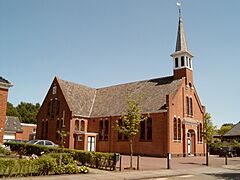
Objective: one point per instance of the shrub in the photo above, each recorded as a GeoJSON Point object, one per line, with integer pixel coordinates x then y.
{"type": "Point", "coordinates": [66, 157]}
{"type": "Point", "coordinates": [91, 159]}
{"type": "Point", "coordinates": [4, 151]}
{"type": "Point", "coordinates": [24, 167]}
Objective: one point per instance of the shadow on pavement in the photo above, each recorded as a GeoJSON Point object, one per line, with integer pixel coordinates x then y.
{"type": "Point", "coordinates": [227, 176]}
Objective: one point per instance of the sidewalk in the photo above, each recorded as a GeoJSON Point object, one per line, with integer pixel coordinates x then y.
{"type": "Point", "coordinates": [155, 169]}
{"type": "Point", "coordinates": [229, 172]}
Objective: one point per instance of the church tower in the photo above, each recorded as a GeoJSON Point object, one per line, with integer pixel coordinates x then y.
{"type": "Point", "coordinates": [182, 58]}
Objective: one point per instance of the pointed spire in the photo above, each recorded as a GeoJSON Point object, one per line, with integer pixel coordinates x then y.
{"type": "Point", "coordinates": [181, 44]}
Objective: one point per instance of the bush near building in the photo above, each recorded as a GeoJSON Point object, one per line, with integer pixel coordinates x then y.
{"type": "Point", "coordinates": [91, 159]}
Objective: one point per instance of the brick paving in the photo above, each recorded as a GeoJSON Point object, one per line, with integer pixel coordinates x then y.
{"type": "Point", "coordinates": [152, 163]}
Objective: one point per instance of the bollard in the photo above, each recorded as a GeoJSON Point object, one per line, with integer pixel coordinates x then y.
{"type": "Point", "coordinates": [120, 167]}
{"type": "Point", "coordinates": [226, 159]}
{"type": "Point", "coordinates": [207, 154]}
{"type": "Point", "coordinates": [168, 160]}
{"type": "Point", "coordinates": [138, 162]}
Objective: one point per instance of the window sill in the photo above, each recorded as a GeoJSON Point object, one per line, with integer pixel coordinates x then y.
{"type": "Point", "coordinates": [177, 141]}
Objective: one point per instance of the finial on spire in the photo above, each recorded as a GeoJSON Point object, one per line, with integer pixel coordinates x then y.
{"type": "Point", "coordinates": [179, 8]}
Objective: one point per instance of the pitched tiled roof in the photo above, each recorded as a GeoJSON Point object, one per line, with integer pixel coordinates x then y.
{"type": "Point", "coordinates": [79, 97]}
{"type": "Point", "coordinates": [86, 101]}
{"type": "Point", "coordinates": [2, 80]}
{"type": "Point", "coordinates": [12, 124]}
{"type": "Point", "coordinates": [235, 131]}
{"type": "Point", "coordinates": [112, 100]}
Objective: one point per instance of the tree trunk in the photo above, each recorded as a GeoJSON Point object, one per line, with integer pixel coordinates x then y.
{"type": "Point", "coordinates": [131, 152]}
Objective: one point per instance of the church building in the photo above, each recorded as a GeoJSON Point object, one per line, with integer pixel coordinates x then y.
{"type": "Point", "coordinates": [174, 125]}
{"type": "Point", "coordinates": [4, 86]}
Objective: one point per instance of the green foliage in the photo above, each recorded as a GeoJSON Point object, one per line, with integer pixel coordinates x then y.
{"type": "Point", "coordinates": [225, 128]}
{"type": "Point", "coordinates": [4, 151]}
{"type": "Point", "coordinates": [91, 159]}
{"type": "Point", "coordinates": [26, 112]}
{"type": "Point", "coordinates": [131, 121]}
{"type": "Point", "coordinates": [209, 129]}
{"type": "Point", "coordinates": [11, 110]}
{"type": "Point", "coordinates": [24, 167]}
{"type": "Point", "coordinates": [66, 157]}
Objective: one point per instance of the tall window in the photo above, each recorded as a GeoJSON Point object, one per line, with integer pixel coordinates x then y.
{"type": "Point", "coordinates": [187, 105]}
{"type": "Point", "coordinates": [106, 130]}
{"type": "Point", "coordinates": [77, 125]}
{"type": "Point", "coordinates": [179, 129]}
{"type": "Point", "coordinates": [187, 61]}
{"type": "Point", "coordinates": [198, 132]}
{"type": "Point", "coordinates": [46, 129]}
{"type": "Point", "coordinates": [146, 130]}
{"type": "Point", "coordinates": [176, 62]}
{"type": "Point", "coordinates": [57, 129]}
{"type": "Point", "coordinates": [100, 130]}
{"type": "Point", "coordinates": [103, 129]}
{"type": "Point", "coordinates": [175, 129]}
{"type": "Point", "coordinates": [191, 107]}
{"type": "Point", "coordinates": [43, 133]}
{"type": "Point", "coordinates": [201, 132]}
{"type": "Point", "coordinates": [82, 125]}
{"type": "Point", "coordinates": [142, 130]}
{"type": "Point", "coordinates": [190, 63]}
{"type": "Point", "coordinates": [149, 129]}
{"type": "Point", "coordinates": [182, 60]}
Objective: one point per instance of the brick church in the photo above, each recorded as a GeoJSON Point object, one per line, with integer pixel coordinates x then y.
{"type": "Point", "coordinates": [4, 86]}
{"type": "Point", "coordinates": [176, 114]}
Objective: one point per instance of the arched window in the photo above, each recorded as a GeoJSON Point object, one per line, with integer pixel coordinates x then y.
{"type": "Point", "coordinates": [201, 131]}
{"type": "Point", "coordinates": [191, 107]}
{"type": "Point", "coordinates": [179, 129]}
{"type": "Point", "coordinates": [82, 125]}
{"type": "Point", "coordinates": [187, 105]}
{"type": "Point", "coordinates": [76, 125]}
{"type": "Point", "coordinates": [175, 129]}
{"type": "Point", "coordinates": [198, 132]}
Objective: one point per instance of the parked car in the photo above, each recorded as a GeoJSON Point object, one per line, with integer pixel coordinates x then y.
{"type": "Point", "coordinates": [42, 142]}
{"type": "Point", "coordinates": [229, 151]}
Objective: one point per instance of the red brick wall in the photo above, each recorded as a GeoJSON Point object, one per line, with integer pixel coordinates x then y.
{"type": "Point", "coordinates": [3, 106]}
{"type": "Point", "coordinates": [28, 131]}
{"type": "Point", "coordinates": [52, 122]}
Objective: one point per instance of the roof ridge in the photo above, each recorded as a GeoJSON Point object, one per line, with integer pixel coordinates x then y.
{"type": "Point", "coordinates": [78, 84]}
{"type": "Point", "coordinates": [140, 81]}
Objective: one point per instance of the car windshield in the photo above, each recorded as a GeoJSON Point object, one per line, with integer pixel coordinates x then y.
{"type": "Point", "coordinates": [32, 141]}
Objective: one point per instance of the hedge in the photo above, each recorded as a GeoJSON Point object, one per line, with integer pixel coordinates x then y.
{"type": "Point", "coordinates": [91, 159]}
{"type": "Point", "coordinates": [24, 167]}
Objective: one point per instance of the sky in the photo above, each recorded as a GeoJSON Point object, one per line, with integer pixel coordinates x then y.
{"type": "Point", "coordinates": [100, 43]}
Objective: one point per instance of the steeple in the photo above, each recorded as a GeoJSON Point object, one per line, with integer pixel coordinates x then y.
{"type": "Point", "coordinates": [181, 44]}
{"type": "Point", "coordinates": [182, 57]}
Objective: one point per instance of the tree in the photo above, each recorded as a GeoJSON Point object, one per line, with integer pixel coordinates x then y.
{"type": "Point", "coordinates": [130, 122]}
{"type": "Point", "coordinates": [26, 112]}
{"type": "Point", "coordinates": [11, 110]}
{"type": "Point", "coordinates": [225, 128]}
{"type": "Point", "coordinates": [208, 131]}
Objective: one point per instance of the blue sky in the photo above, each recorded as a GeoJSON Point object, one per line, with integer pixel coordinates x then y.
{"type": "Point", "coordinates": [105, 42]}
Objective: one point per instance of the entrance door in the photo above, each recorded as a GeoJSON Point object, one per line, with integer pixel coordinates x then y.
{"type": "Point", "coordinates": [189, 148]}
{"type": "Point", "coordinates": [91, 143]}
